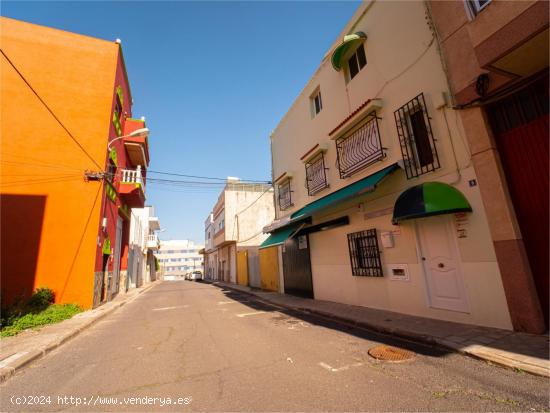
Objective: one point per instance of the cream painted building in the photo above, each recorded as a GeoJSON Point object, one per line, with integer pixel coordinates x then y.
{"type": "Point", "coordinates": [377, 202]}
{"type": "Point", "coordinates": [234, 230]}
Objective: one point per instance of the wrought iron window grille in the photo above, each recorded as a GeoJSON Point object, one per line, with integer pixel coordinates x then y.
{"type": "Point", "coordinates": [284, 195]}
{"type": "Point", "coordinates": [364, 254]}
{"type": "Point", "coordinates": [360, 148]}
{"type": "Point", "coordinates": [416, 138]}
{"type": "Point", "coordinates": [316, 177]}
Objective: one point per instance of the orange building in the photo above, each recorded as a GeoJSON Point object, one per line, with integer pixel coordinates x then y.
{"type": "Point", "coordinates": [69, 173]}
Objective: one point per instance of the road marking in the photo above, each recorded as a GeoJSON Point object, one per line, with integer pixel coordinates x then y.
{"type": "Point", "coordinates": [247, 314]}
{"type": "Point", "coordinates": [12, 358]}
{"type": "Point", "coordinates": [336, 370]}
{"type": "Point", "coordinates": [170, 308]}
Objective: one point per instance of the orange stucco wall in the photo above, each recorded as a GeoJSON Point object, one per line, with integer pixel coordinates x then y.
{"type": "Point", "coordinates": [50, 216]}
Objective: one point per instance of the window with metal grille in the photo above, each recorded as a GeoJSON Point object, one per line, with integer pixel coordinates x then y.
{"type": "Point", "coordinates": [416, 138]}
{"type": "Point", "coordinates": [364, 254]}
{"type": "Point", "coordinates": [316, 177]}
{"type": "Point", "coordinates": [360, 148]}
{"type": "Point", "coordinates": [284, 195]}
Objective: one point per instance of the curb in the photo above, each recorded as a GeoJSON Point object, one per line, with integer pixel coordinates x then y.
{"type": "Point", "coordinates": [27, 357]}
{"type": "Point", "coordinates": [476, 351]}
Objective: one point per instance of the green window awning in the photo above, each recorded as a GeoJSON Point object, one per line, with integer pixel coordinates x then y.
{"type": "Point", "coordinates": [358, 188]}
{"type": "Point", "coordinates": [279, 237]}
{"type": "Point", "coordinates": [427, 199]}
{"type": "Point", "coordinates": [350, 41]}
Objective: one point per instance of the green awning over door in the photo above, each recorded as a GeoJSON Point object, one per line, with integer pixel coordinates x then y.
{"type": "Point", "coordinates": [350, 41]}
{"type": "Point", "coordinates": [358, 188]}
{"type": "Point", "coordinates": [278, 237]}
{"type": "Point", "coordinates": [427, 199]}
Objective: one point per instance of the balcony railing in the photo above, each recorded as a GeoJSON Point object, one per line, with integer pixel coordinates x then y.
{"type": "Point", "coordinates": [132, 176]}
{"type": "Point", "coordinates": [360, 148]}
{"type": "Point", "coordinates": [152, 241]}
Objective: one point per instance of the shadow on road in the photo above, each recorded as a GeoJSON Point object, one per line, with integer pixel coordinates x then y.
{"type": "Point", "coordinates": [257, 304]}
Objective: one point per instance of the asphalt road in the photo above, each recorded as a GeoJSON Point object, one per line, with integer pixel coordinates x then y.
{"type": "Point", "coordinates": [208, 349]}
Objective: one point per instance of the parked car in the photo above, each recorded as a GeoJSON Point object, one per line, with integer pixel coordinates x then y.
{"type": "Point", "coordinates": [195, 275]}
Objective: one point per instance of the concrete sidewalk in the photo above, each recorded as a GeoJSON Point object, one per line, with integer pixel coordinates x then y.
{"type": "Point", "coordinates": [18, 351]}
{"type": "Point", "coordinates": [526, 352]}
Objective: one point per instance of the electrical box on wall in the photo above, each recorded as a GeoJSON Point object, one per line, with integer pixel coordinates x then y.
{"type": "Point", "coordinates": [398, 272]}
{"type": "Point", "coordinates": [387, 239]}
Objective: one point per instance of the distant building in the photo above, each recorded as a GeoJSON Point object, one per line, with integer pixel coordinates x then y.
{"type": "Point", "coordinates": [73, 164]}
{"type": "Point", "coordinates": [179, 257]}
{"type": "Point", "coordinates": [233, 232]}
{"type": "Point", "coordinates": [144, 242]}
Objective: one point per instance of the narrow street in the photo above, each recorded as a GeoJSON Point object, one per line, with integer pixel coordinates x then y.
{"type": "Point", "coordinates": [225, 351]}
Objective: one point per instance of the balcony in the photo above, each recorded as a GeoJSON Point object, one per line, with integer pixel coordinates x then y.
{"type": "Point", "coordinates": [137, 147]}
{"type": "Point", "coordinates": [154, 223]}
{"type": "Point", "coordinates": [131, 188]}
{"type": "Point", "coordinates": [360, 148]}
{"type": "Point", "coordinates": [152, 242]}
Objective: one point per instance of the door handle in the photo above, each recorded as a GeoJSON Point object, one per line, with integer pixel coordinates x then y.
{"type": "Point", "coordinates": [440, 265]}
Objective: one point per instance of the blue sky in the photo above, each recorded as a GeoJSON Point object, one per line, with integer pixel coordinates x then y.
{"type": "Point", "coordinates": [213, 79]}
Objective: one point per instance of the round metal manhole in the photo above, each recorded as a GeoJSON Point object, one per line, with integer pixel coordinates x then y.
{"type": "Point", "coordinates": [393, 354]}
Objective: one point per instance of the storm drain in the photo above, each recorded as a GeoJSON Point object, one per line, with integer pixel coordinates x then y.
{"type": "Point", "coordinates": [387, 353]}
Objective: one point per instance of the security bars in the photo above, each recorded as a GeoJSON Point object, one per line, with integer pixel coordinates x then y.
{"type": "Point", "coordinates": [284, 195]}
{"type": "Point", "coordinates": [316, 177]}
{"type": "Point", "coordinates": [364, 254]}
{"type": "Point", "coordinates": [416, 138]}
{"type": "Point", "coordinates": [360, 148]}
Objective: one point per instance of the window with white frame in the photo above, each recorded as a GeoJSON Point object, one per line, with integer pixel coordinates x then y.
{"type": "Point", "coordinates": [476, 6]}
{"type": "Point", "coordinates": [356, 62]}
{"type": "Point", "coordinates": [316, 103]}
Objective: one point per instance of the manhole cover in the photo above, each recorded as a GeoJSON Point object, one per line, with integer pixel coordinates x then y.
{"type": "Point", "coordinates": [387, 353]}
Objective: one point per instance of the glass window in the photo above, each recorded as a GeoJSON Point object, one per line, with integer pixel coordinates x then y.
{"type": "Point", "coordinates": [357, 61]}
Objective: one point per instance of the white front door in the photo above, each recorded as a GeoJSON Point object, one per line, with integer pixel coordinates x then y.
{"type": "Point", "coordinates": [440, 259]}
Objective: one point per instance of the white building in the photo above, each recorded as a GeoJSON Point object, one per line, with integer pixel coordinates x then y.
{"type": "Point", "coordinates": [142, 267]}
{"type": "Point", "coordinates": [234, 231]}
{"type": "Point", "coordinates": [179, 257]}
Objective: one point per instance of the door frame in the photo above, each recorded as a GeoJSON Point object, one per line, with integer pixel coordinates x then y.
{"type": "Point", "coordinates": [424, 269]}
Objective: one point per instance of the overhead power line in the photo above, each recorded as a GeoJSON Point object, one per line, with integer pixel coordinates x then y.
{"type": "Point", "coordinates": [50, 110]}
{"type": "Point", "coordinates": [259, 181]}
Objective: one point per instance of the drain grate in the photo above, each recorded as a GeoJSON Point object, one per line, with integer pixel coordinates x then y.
{"type": "Point", "coordinates": [387, 353]}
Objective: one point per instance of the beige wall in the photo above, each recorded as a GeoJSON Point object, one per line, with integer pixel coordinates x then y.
{"type": "Point", "coordinates": [246, 213]}
{"type": "Point", "coordinates": [331, 267]}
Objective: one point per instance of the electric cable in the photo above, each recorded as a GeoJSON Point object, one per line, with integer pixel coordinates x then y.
{"type": "Point", "coordinates": [204, 177]}
{"type": "Point", "coordinates": [50, 110]}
